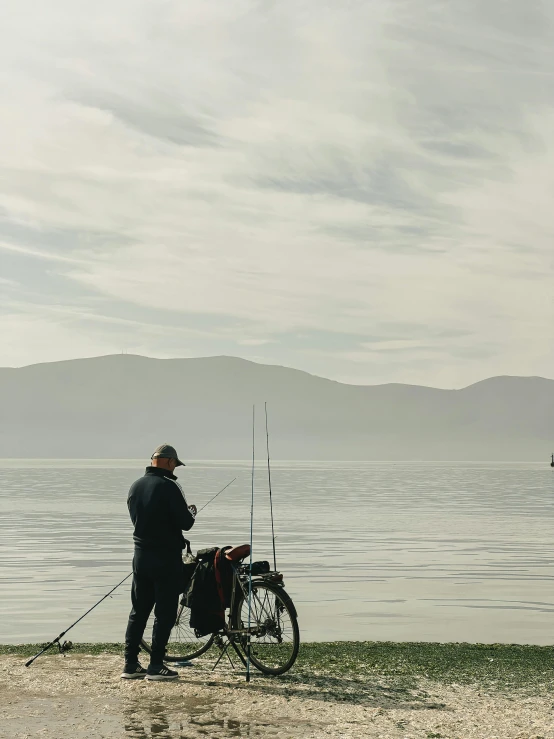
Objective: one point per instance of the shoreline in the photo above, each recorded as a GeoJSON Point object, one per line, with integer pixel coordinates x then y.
{"type": "Point", "coordinates": [488, 664]}
{"type": "Point", "coordinates": [336, 689]}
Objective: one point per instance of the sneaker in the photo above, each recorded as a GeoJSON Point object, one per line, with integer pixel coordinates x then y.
{"type": "Point", "coordinates": [133, 672]}
{"type": "Point", "coordinates": [160, 672]}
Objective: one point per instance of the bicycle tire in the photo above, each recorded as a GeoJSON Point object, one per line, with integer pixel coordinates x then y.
{"type": "Point", "coordinates": [190, 647]}
{"type": "Point", "coordinates": [262, 652]}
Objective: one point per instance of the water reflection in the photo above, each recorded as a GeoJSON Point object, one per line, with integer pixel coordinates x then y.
{"type": "Point", "coordinates": [154, 720]}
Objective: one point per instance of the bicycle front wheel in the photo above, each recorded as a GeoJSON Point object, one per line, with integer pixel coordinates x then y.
{"type": "Point", "coordinates": [183, 643]}
{"type": "Point", "coordinates": [275, 636]}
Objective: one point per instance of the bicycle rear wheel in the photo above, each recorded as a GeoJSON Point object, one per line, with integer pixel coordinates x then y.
{"type": "Point", "coordinates": [183, 643]}
{"type": "Point", "coordinates": [275, 636]}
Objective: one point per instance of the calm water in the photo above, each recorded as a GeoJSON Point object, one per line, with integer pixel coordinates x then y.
{"type": "Point", "coordinates": [392, 551]}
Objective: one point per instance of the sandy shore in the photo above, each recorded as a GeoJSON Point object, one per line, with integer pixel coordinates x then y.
{"type": "Point", "coordinates": [82, 697]}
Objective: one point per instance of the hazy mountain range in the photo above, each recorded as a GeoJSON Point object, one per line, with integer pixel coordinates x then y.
{"type": "Point", "coordinates": [123, 406]}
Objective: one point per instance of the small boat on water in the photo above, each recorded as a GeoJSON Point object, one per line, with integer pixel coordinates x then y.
{"type": "Point", "coordinates": [552, 463]}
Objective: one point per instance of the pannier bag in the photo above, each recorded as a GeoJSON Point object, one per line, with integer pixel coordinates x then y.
{"type": "Point", "coordinates": [208, 582]}
{"type": "Point", "coordinates": [209, 591]}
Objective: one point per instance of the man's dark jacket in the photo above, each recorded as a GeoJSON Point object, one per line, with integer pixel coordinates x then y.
{"type": "Point", "coordinates": [159, 512]}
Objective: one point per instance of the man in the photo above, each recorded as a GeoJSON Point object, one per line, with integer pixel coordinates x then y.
{"type": "Point", "coordinates": [160, 514]}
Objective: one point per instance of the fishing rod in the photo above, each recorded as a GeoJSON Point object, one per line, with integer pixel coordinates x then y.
{"type": "Point", "coordinates": [249, 643]}
{"type": "Point", "coordinates": [270, 493]}
{"type": "Point", "coordinates": [67, 645]}
{"type": "Point", "coordinates": [215, 496]}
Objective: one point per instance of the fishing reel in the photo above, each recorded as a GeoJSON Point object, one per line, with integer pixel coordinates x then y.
{"type": "Point", "coordinates": [65, 647]}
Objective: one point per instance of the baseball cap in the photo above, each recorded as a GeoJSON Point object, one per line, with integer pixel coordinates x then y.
{"type": "Point", "coordinates": [168, 452]}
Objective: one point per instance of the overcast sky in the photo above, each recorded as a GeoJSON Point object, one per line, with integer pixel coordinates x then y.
{"type": "Point", "coordinates": [362, 189]}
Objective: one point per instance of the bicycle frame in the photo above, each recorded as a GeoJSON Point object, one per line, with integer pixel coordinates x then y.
{"type": "Point", "coordinates": [240, 589]}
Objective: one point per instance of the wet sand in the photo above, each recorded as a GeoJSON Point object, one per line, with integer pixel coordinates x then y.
{"type": "Point", "coordinates": [81, 696]}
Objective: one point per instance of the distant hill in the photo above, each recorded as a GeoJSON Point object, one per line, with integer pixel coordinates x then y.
{"type": "Point", "coordinates": [124, 405]}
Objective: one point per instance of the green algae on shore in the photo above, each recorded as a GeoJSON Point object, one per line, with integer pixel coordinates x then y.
{"type": "Point", "coordinates": [500, 666]}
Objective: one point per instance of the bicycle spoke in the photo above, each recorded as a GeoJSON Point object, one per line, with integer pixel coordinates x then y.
{"type": "Point", "coordinates": [183, 642]}
{"type": "Point", "coordinates": [274, 638]}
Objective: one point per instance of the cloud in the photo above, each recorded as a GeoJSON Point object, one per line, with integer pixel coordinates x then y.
{"type": "Point", "coordinates": [160, 117]}
{"type": "Point", "coordinates": [254, 342]}
{"type": "Point", "coordinates": [257, 172]}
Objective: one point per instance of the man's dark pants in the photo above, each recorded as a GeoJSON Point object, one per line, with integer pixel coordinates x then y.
{"type": "Point", "coordinates": [156, 584]}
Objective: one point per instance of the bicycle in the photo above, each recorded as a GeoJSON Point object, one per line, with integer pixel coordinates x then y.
{"type": "Point", "coordinates": [274, 632]}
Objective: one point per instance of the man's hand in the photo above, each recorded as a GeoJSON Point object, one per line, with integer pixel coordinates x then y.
{"type": "Point", "coordinates": [193, 510]}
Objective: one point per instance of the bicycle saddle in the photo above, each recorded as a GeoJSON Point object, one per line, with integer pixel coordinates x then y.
{"type": "Point", "coordinates": [235, 554]}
